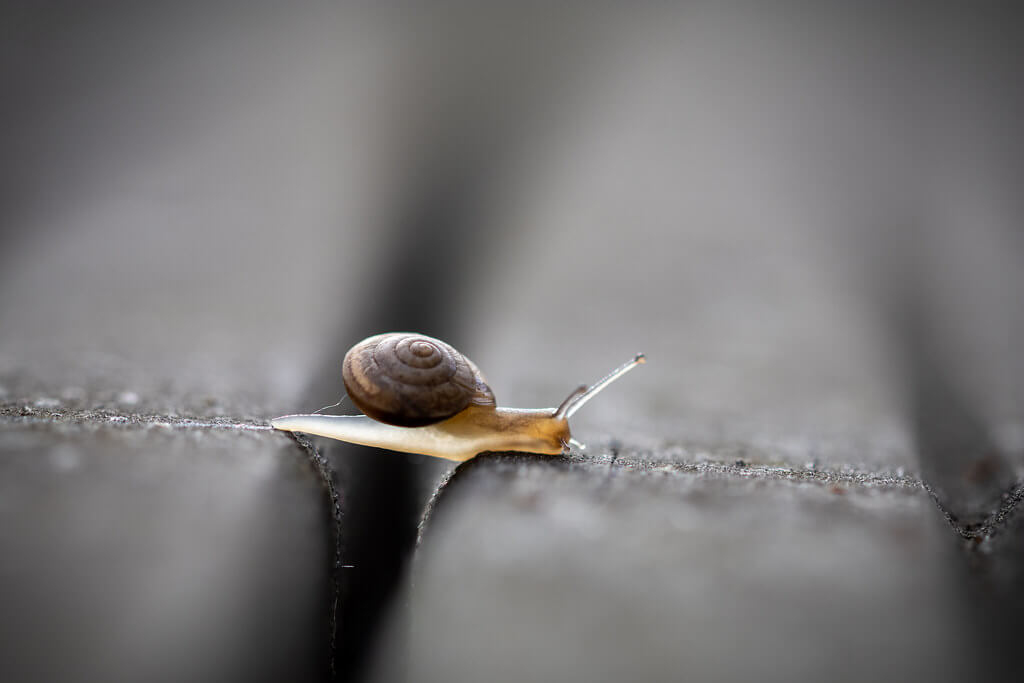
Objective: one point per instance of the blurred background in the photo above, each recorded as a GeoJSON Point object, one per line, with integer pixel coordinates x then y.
{"type": "Point", "coordinates": [806, 214]}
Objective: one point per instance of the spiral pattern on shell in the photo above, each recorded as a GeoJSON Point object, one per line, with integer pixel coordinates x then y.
{"type": "Point", "coordinates": [411, 380]}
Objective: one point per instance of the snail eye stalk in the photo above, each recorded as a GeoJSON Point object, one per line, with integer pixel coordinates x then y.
{"type": "Point", "coordinates": [582, 394]}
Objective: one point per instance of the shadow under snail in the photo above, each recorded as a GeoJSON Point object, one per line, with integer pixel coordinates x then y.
{"type": "Point", "coordinates": [420, 395]}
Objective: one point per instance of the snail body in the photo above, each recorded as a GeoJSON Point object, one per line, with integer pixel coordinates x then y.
{"type": "Point", "coordinates": [420, 395]}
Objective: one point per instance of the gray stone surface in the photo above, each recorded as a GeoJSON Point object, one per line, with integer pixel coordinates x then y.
{"type": "Point", "coordinates": [166, 285]}
{"type": "Point", "coordinates": [157, 552]}
{"type": "Point", "coordinates": [574, 569]}
{"type": "Point", "coordinates": [813, 241]}
{"type": "Point", "coordinates": [826, 323]}
{"type": "Point", "coordinates": [170, 248]}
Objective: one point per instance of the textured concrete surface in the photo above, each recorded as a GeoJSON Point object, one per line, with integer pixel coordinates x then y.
{"type": "Point", "coordinates": [141, 263]}
{"type": "Point", "coordinates": [832, 400]}
{"type": "Point", "coordinates": [580, 569]}
{"type": "Point", "coordinates": [167, 286]}
{"type": "Point", "coordinates": [159, 552]}
{"type": "Point", "coordinates": [815, 477]}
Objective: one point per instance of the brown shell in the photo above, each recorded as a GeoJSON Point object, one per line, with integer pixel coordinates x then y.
{"type": "Point", "coordinates": [411, 380]}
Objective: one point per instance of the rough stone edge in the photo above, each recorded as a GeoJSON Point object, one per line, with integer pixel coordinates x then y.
{"type": "Point", "coordinates": [1009, 501]}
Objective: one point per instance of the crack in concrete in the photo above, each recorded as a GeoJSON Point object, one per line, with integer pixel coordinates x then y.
{"type": "Point", "coordinates": [1011, 500]}
{"type": "Point", "coordinates": [326, 474]}
{"type": "Point", "coordinates": [435, 498]}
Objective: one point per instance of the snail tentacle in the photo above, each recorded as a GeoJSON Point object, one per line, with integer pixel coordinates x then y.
{"type": "Point", "coordinates": [576, 399]}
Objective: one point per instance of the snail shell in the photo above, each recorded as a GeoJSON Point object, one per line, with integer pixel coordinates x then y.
{"type": "Point", "coordinates": [412, 380]}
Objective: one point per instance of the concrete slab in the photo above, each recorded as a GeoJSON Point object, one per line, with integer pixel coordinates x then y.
{"type": "Point", "coordinates": [157, 552]}
{"type": "Point", "coordinates": [574, 570]}
{"type": "Point", "coordinates": [714, 187]}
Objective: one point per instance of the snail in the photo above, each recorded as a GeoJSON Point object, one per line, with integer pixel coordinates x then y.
{"type": "Point", "coordinates": [420, 395]}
